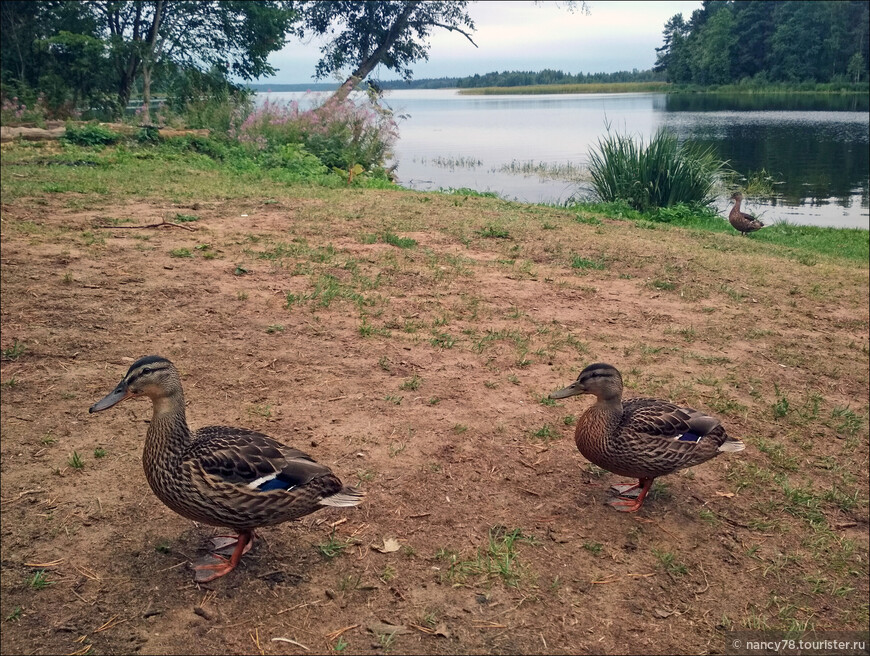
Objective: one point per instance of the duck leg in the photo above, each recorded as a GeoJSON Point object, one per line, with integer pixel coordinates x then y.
{"type": "Point", "coordinates": [631, 505]}
{"type": "Point", "coordinates": [225, 545]}
{"type": "Point", "coordinates": [215, 566]}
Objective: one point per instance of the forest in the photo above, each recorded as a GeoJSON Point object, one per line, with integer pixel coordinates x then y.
{"type": "Point", "coordinates": [763, 42]}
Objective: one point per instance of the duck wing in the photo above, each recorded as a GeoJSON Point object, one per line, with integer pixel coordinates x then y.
{"type": "Point", "coordinates": [673, 437]}
{"type": "Point", "coordinates": [221, 455]}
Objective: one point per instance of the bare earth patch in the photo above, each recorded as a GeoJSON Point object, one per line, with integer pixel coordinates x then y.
{"type": "Point", "coordinates": [418, 370]}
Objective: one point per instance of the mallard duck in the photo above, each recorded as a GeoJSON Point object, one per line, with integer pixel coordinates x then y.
{"type": "Point", "coordinates": [743, 222]}
{"type": "Point", "coordinates": [220, 475]}
{"type": "Point", "coordinates": [640, 438]}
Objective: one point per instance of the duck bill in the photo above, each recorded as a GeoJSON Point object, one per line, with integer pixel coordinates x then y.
{"type": "Point", "coordinates": [571, 390]}
{"type": "Point", "coordinates": [117, 395]}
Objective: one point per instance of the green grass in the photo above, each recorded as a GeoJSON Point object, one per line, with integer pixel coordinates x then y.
{"type": "Point", "coordinates": [670, 564]}
{"type": "Point", "coordinates": [13, 352]}
{"type": "Point", "coordinates": [545, 433]}
{"type": "Point", "coordinates": [498, 559]}
{"type": "Point", "coordinates": [399, 242]}
{"type": "Point", "coordinates": [193, 170]}
{"type": "Point", "coordinates": [39, 580]}
{"type": "Point", "coordinates": [333, 546]}
{"type": "Point", "coordinates": [412, 383]}
{"type": "Point", "coordinates": [792, 241]}
{"type": "Point", "coordinates": [579, 262]}
{"type": "Point", "coordinates": [493, 232]}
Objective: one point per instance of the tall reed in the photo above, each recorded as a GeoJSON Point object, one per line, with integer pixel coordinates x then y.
{"type": "Point", "coordinates": [661, 173]}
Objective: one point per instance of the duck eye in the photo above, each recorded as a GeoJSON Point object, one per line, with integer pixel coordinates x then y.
{"type": "Point", "coordinates": [146, 370]}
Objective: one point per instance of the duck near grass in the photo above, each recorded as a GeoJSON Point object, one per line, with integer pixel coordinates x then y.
{"type": "Point", "coordinates": [641, 438]}
{"type": "Point", "coordinates": [741, 221]}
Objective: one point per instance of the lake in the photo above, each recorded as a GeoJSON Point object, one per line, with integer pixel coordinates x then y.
{"type": "Point", "coordinates": [814, 147]}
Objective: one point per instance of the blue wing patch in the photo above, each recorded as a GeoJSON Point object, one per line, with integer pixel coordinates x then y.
{"type": "Point", "coordinates": [275, 484]}
{"type": "Point", "coordinates": [689, 437]}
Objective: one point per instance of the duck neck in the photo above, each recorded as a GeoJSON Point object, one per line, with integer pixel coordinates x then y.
{"type": "Point", "coordinates": [596, 426]}
{"type": "Point", "coordinates": [168, 434]}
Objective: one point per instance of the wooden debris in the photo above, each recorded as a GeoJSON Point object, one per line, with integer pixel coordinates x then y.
{"type": "Point", "coordinates": [292, 642]}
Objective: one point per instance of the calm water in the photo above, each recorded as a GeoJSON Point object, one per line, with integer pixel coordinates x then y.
{"type": "Point", "coordinates": [816, 150]}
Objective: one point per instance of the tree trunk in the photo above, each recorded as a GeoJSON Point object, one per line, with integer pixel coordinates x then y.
{"type": "Point", "coordinates": [146, 93]}
{"type": "Point", "coordinates": [125, 83]}
{"type": "Point", "coordinates": [148, 58]}
{"type": "Point", "coordinates": [369, 63]}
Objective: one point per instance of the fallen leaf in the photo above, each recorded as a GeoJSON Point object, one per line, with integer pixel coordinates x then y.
{"type": "Point", "coordinates": [390, 545]}
{"type": "Point", "coordinates": [441, 630]}
{"type": "Point", "coordinates": [725, 494]}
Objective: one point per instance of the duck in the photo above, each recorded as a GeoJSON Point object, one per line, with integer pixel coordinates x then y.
{"type": "Point", "coordinates": [640, 438]}
{"type": "Point", "coordinates": [220, 475]}
{"type": "Point", "coordinates": [743, 222]}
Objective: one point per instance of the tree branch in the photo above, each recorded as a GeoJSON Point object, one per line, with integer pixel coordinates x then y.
{"type": "Point", "coordinates": [451, 28]}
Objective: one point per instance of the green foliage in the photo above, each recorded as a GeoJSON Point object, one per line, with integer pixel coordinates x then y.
{"type": "Point", "coordinates": [580, 262]}
{"type": "Point", "coordinates": [791, 41]}
{"type": "Point", "coordinates": [493, 232]}
{"type": "Point", "coordinates": [549, 76]}
{"type": "Point", "coordinates": [90, 135]}
{"type": "Point", "coordinates": [801, 240]}
{"type": "Point", "coordinates": [91, 55]}
{"type": "Point", "coordinates": [15, 351]}
{"type": "Point", "coordinates": [39, 580]}
{"type": "Point", "coordinates": [75, 461]}
{"type": "Point", "coordinates": [361, 35]}
{"type": "Point", "coordinates": [399, 242]}
{"type": "Point", "coordinates": [293, 162]}
{"type": "Point", "coordinates": [499, 558]}
{"type": "Point", "coordinates": [344, 135]}
{"type": "Point", "coordinates": [658, 174]}
{"type": "Point", "coordinates": [333, 546]}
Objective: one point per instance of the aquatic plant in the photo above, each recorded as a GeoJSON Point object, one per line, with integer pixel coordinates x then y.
{"type": "Point", "coordinates": [658, 174]}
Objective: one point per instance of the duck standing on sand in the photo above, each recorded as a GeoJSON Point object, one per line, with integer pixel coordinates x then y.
{"type": "Point", "coordinates": [640, 438]}
{"type": "Point", "coordinates": [743, 222]}
{"type": "Point", "coordinates": [220, 475]}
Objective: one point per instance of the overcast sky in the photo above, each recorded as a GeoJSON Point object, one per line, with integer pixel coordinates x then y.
{"type": "Point", "coordinates": [525, 36]}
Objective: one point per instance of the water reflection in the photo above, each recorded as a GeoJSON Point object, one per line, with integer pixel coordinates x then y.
{"type": "Point", "coordinates": [816, 147]}
{"type": "Point", "coordinates": [797, 102]}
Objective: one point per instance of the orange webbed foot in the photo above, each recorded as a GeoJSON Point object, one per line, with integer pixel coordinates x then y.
{"type": "Point", "coordinates": [214, 565]}
{"type": "Point", "coordinates": [624, 503]}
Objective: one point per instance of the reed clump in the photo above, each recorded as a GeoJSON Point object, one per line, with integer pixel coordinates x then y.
{"type": "Point", "coordinates": [660, 173]}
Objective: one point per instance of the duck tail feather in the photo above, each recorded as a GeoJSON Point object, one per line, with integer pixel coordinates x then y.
{"type": "Point", "coordinates": [732, 445]}
{"type": "Point", "coordinates": [347, 496]}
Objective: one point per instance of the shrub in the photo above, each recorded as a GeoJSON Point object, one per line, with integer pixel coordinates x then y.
{"type": "Point", "coordinates": [14, 111]}
{"type": "Point", "coordinates": [659, 174]}
{"type": "Point", "coordinates": [90, 134]}
{"type": "Point", "coordinates": [295, 162]}
{"type": "Point", "coordinates": [340, 134]}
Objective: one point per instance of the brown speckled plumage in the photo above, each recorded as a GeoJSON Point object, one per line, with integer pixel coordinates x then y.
{"type": "Point", "coordinates": [641, 438]}
{"type": "Point", "coordinates": [742, 222]}
{"type": "Point", "coordinates": [222, 475]}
